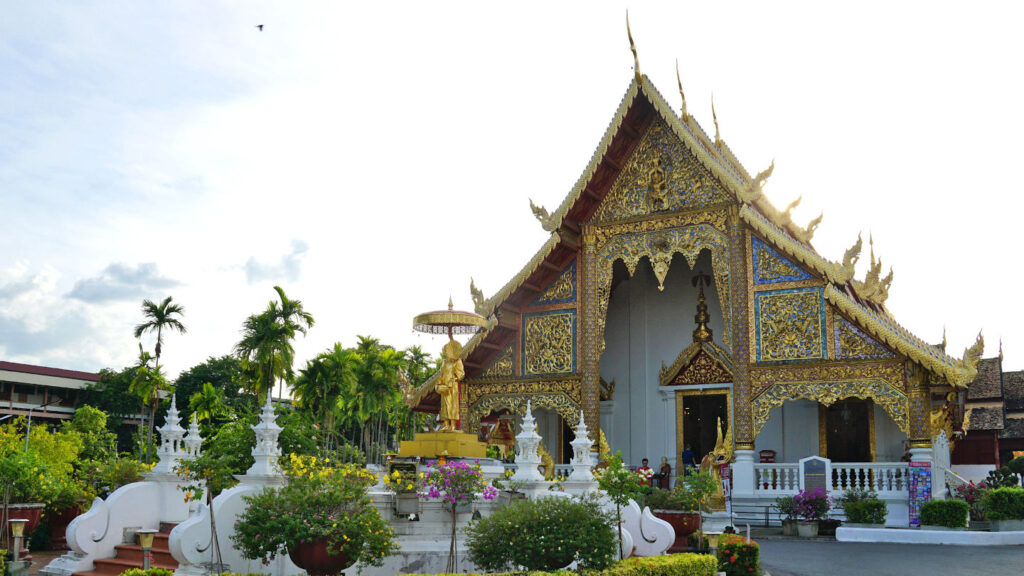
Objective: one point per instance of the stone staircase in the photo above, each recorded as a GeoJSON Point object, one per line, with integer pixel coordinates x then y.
{"type": "Point", "coordinates": [130, 556]}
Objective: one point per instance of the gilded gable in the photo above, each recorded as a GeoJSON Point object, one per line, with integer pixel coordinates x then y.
{"type": "Point", "coordinates": [660, 176]}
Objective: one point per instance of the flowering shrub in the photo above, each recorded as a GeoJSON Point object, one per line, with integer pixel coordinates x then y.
{"type": "Point", "coordinates": [974, 495]}
{"type": "Point", "coordinates": [811, 504]}
{"type": "Point", "coordinates": [668, 565]}
{"type": "Point", "coordinates": [402, 481]}
{"type": "Point", "coordinates": [456, 482]}
{"type": "Point", "coordinates": [534, 534]}
{"type": "Point", "coordinates": [737, 556]}
{"type": "Point", "coordinates": [320, 501]}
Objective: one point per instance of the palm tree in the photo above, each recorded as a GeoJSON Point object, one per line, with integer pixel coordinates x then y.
{"type": "Point", "coordinates": [322, 383]}
{"type": "Point", "coordinates": [147, 384]}
{"type": "Point", "coordinates": [294, 318]}
{"type": "Point", "coordinates": [157, 317]}
{"type": "Point", "coordinates": [208, 403]}
{"type": "Point", "coordinates": [266, 347]}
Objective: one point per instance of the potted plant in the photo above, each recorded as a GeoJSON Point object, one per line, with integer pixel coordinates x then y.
{"type": "Point", "coordinates": [863, 509]}
{"type": "Point", "coordinates": [404, 482]}
{"type": "Point", "coordinates": [681, 506]}
{"type": "Point", "coordinates": [1005, 509]}
{"type": "Point", "coordinates": [508, 488]}
{"type": "Point", "coordinates": [974, 495]}
{"type": "Point", "coordinates": [458, 485]}
{"type": "Point", "coordinates": [787, 512]}
{"type": "Point", "coordinates": [322, 517]}
{"type": "Point", "coordinates": [810, 506]}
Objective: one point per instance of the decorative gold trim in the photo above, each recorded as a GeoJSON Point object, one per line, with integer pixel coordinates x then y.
{"type": "Point", "coordinates": [822, 430]}
{"type": "Point", "coordinates": [478, 388]}
{"type": "Point", "coordinates": [681, 394]}
{"type": "Point", "coordinates": [893, 401]}
{"type": "Point", "coordinates": [684, 358]}
{"type": "Point", "coordinates": [899, 338]}
{"type": "Point", "coordinates": [516, 403]}
{"type": "Point", "coordinates": [920, 443]}
{"type": "Point", "coordinates": [744, 445]}
{"type": "Point", "coordinates": [873, 441]}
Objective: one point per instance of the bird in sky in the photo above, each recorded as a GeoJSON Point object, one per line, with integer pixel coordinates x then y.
{"type": "Point", "coordinates": [260, 26]}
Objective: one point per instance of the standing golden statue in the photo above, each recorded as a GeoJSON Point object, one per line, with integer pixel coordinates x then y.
{"type": "Point", "coordinates": [713, 461]}
{"type": "Point", "coordinates": [452, 373]}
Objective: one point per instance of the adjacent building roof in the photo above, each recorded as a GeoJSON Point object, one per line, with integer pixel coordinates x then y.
{"type": "Point", "coordinates": [45, 371]}
{"type": "Point", "coordinates": [1013, 390]}
{"type": "Point", "coordinates": [986, 418]}
{"type": "Point", "coordinates": [987, 385]}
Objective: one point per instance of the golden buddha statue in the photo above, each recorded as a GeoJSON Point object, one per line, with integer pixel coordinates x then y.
{"type": "Point", "coordinates": [452, 373]}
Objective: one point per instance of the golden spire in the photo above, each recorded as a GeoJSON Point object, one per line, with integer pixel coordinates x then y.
{"type": "Point", "coordinates": [943, 346]}
{"type": "Point", "coordinates": [1000, 348]}
{"type": "Point", "coordinates": [702, 333]}
{"type": "Point", "coordinates": [718, 138]}
{"type": "Point", "coordinates": [450, 305]}
{"type": "Point", "coordinates": [685, 115]}
{"type": "Point", "coordinates": [632, 48]}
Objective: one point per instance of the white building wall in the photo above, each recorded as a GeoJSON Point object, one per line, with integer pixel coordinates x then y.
{"type": "Point", "coordinates": [645, 328]}
{"type": "Point", "coordinates": [791, 430]}
{"type": "Point", "coordinates": [888, 437]}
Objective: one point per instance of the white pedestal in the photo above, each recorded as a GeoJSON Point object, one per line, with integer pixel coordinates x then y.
{"type": "Point", "coordinates": [743, 474]}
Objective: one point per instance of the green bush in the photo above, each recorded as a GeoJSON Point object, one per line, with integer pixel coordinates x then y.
{"type": "Point", "coordinates": [1004, 504]}
{"type": "Point", "coordinates": [543, 534]}
{"type": "Point", "coordinates": [786, 506]}
{"type": "Point", "coordinates": [866, 512]}
{"type": "Point", "coordinates": [737, 556]}
{"type": "Point", "coordinates": [948, 513]}
{"type": "Point", "coordinates": [150, 572]}
{"type": "Point", "coordinates": [670, 565]}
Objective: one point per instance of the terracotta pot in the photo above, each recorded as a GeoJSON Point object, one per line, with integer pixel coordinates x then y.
{"type": "Point", "coordinates": [684, 523]}
{"type": "Point", "coordinates": [30, 512]}
{"type": "Point", "coordinates": [59, 526]}
{"type": "Point", "coordinates": [314, 559]}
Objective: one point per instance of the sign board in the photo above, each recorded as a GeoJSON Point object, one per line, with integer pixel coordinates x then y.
{"type": "Point", "coordinates": [919, 485]}
{"type": "Point", "coordinates": [815, 472]}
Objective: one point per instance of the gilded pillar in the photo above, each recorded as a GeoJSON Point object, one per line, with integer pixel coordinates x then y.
{"type": "Point", "coordinates": [743, 426]}
{"type": "Point", "coordinates": [919, 400]}
{"type": "Point", "coordinates": [592, 335]}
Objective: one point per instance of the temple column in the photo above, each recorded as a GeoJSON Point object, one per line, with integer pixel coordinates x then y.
{"type": "Point", "coordinates": [592, 336]}
{"type": "Point", "coordinates": [919, 400]}
{"type": "Point", "coordinates": [743, 424]}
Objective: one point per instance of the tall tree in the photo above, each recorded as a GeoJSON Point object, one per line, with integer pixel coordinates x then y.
{"type": "Point", "coordinates": [147, 384]}
{"type": "Point", "coordinates": [295, 318]}
{"type": "Point", "coordinates": [322, 383]}
{"type": "Point", "coordinates": [208, 403]}
{"type": "Point", "coordinates": [266, 347]}
{"type": "Point", "coordinates": [158, 317]}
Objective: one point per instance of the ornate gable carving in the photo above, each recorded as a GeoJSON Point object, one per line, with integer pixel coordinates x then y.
{"type": "Point", "coordinates": [562, 290]}
{"type": "Point", "coordinates": [852, 343]}
{"type": "Point", "coordinates": [501, 366]}
{"type": "Point", "coordinates": [770, 267]}
{"type": "Point", "coordinates": [660, 176]}
{"type": "Point", "coordinates": [699, 363]}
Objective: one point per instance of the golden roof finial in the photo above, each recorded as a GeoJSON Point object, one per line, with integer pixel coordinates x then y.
{"type": "Point", "coordinates": [685, 115]}
{"type": "Point", "coordinates": [632, 48]}
{"type": "Point", "coordinates": [943, 345]}
{"type": "Point", "coordinates": [1000, 348]}
{"type": "Point", "coordinates": [718, 138]}
{"type": "Point", "coordinates": [451, 306]}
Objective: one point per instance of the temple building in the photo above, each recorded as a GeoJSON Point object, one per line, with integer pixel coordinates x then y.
{"type": "Point", "coordinates": [672, 294]}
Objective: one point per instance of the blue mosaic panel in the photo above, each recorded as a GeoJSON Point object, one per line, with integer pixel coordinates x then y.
{"type": "Point", "coordinates": [770, 267]}
{"type": "Point", "coordinates": [562, 290]}
{"type": "Point", "coordinates": [789, 325]}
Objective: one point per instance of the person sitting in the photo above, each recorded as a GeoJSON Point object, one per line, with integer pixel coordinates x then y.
{"type": "Point", "coordinates": [645, 471]}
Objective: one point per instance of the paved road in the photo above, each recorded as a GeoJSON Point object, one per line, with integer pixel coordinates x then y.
{"type": "Point", "coordinates": [796, 558]}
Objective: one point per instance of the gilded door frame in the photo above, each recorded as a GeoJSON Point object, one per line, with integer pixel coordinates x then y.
{"type": "Point", "coordinates": [700, 391]}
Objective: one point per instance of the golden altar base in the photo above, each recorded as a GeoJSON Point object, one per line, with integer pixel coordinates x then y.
{"type": "Point", "coordinates": [458, 444]}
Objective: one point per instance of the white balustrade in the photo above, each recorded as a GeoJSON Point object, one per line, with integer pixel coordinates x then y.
{"type": "Point", "coordinates": [783, 478]}
{"type": "Point", "coordinates": [885, 478]}
{"type": "Point", "coordinates": [888, 479]}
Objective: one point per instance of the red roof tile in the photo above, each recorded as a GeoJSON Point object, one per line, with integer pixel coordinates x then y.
{"type": "Point", "coordinates": [45, 371]}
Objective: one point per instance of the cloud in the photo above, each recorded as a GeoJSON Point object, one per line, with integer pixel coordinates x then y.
{"type": "Point", "coordinates": [289, 267]}
{"type": "Point", "coordinates": [121, 282]}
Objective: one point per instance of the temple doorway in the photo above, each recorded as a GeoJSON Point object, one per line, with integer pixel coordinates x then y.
{"type": "Point", "coordinates": [848, 430]}
{"type": "Point", "coordinates": [700, 414]}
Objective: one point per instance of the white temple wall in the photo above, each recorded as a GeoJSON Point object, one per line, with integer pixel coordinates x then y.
{"type": "Point", "coordinates": [888, 437]}
{"type": "Point", "coordinates": [791, 430]}
{"type": "Point", "coordinates": [645, 328]}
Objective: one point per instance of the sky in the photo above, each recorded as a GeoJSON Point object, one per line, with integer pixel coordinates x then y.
{"type": "Point", "coordinates": [370, 159]}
